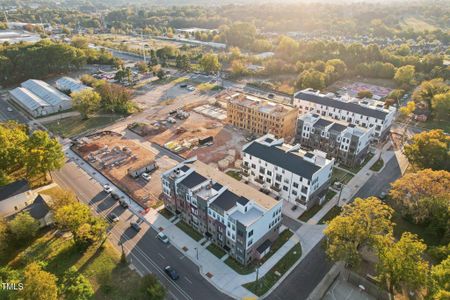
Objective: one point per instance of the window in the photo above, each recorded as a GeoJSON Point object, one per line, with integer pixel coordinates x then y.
{"type": "Point", "coordinates": [250, 233]}
{"type": "Point", "coordinates": [278, 177]}
{"type": "Point", "coordinates": [295, 184]}
{"type": "Point", "coordinates": [285, 188]}
{"type": "Point", "coordinates": [294, 193]}
{"type": "Point", "coordinates": [269, 173]}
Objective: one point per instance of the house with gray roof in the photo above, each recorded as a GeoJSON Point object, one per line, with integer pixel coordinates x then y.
{"type": "Point", "coordinates": [291, 174]}
{"type": "Point", "coordinates": [14, 197]}
{"type": "Point", "coordinates": [232, 215]}
{"type": "Point", "coordinates": [367, 113]}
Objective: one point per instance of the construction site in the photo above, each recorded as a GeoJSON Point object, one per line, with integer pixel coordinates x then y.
{"type": "Point", "coordinates": [124, 162]}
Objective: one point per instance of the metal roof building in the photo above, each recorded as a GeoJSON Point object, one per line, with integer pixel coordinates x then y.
{"type": "Point", "coordinates": [70, 84]}
{"type": "Point", "coordinates": [39, 98]}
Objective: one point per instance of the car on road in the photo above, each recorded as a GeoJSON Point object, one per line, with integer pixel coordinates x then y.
{"type": "Point", "coordinates": [163, 238]}
{"type": "Point", "coordinates": [271, 96]}
{"type": "Point", "coordinates": [123, 203]}
{"type": "Point", "coordinates": [183, 85]}
{"type": "Point", "coordinates": [107, 188]}
{"type": "Point", "coordinates": [146, 176]}
{"type": "Point", "coordinates": [9, 109]}
{"type": "Point", "coordinates": [191, 88]}
{"type": "Point", "coordinates": [115, 196]}
{"type": "Point", "coordinates": [113, 217]}
{"type": "Point", "coordinates": [383, 195]}
{"type": "Point", "coordinates": [171, 272]}
{"type": "Point", "coordinates": [135, 226]}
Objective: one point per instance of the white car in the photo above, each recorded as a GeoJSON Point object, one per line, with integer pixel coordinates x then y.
{"type": "Point", "coordinates": [146, 176]}
{"type": "Point", "coordinates": [163, 238]}
{"type": "Point", "coordinates": [9, 109]}
{"type": "Point", "coordinates": [107, 188]}
{"type": "Point", "coordinates": [191, 88]}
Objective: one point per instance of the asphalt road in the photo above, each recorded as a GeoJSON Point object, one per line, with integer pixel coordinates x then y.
{"type": "Point", "coordinates": [146, 253]}
{"type": "Point", "coordinates": [305, 277]}
{"type": "Point", "coordinates": [380, 182]}
{"type": "Point", "coordinates": [6, 115]}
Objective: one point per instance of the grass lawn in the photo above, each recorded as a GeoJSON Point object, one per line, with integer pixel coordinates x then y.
{"type": "Point", "coordinates": [238, 267]}
{"type": "Point", "coordinates": [189, 230]}
{"type": "Point", "coordinates": [166, 213]}
{"type": "Point", "coordinates": [267, 281]}
{"type": "Point", "coordinates": [377, 165]}
{"type": "Point", "coordinates": [331, 214]}
{"type": "Point", "coordinates": [341, 176]}
{"type": "Point", "coordinates": [435, 124]}
{"type": "Point", "coordinates": [100, 264]}
{"type": "Point", "coordinates": [157, 204]}
{"type": "Point", "coordinates": [69, 127]}
{"type": "Point", "coordinates": [204, 87]}
{"type": "Point", "coordinates": [180, 80]}
{"type": "Point", "coordinates": [305, 216]}
{"type": "Point", "coordinates": [235, 174]}
{"type": "Point", "coordinates": [277, 244]}
{"type": "Point", "coordinates": [356, 169]}
{"type": "Point", "coordinates": [214, 249]}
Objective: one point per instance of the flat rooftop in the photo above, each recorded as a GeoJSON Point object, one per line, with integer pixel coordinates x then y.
{"type": "Point", "coordinates": [261, 104]}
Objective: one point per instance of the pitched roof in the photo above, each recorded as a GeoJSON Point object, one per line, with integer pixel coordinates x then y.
{"type": "Point", "coordinates": [286, 160]}
{"type": "Point", "coordinates": [13, 189]}
{"type": "Point", "coordinates": [226, 200]}
{"type": "Point", "coordinates": [192, 180]}
{"type": "Point", "coordinates": [39, 208]}
{"type": "Point", "coordinates": [348, 106]}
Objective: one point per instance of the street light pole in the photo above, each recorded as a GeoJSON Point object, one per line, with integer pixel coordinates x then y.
{"type": "Point", "coordinates": [196, 251]}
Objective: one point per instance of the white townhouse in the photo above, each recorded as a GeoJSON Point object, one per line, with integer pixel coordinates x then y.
{"type": "Point", "coordinates": [296, 176]}
{"type": "Point", "coordinates": [366, 113]}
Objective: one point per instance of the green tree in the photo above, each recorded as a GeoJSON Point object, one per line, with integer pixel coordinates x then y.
{"type": "Point", "coordinates": [44, 154]}
{"type": "Point", "coordinates": [311, 79]}
{"type": "Point", "coordinates": [238, 68]}
{"type": "Point", "coordinates": [88, 80]}
{"type": "Point", "coordinates": [38, 284]}
{"type": "Point", "coordinates": [407, 109]}
{"type": "Point", "coordinates": [61, 197]}
{"type": "Point", "coordinates": [75, 286]}
{"type": "Point", "coordinates": [142, 67]}
{"type": "Point", "coordinates": [428, 89]}
{"type": "Point", "coordinates": [287, 48]}
{"type": "Point", "coordinates": [151, 288]}
{"type": "Point", "coordinates": [80, 42]}
{"type": "Point", "coordinates": [153, 58]}
{"type": "Point", "coordinates": [3, 237]}
{"type": "Point", "coordinates": [400, 264]}
{"type": "Point", "coordinates": [210, 63]}
{"type": "Point", "coordinates": [13, 137]}
{"type": "Point", "coordinates": [23, 227]}
{"type": "Point", "coordinates": [11, 276]}
{"type": "Point", "coordinates": [86, 101]}
{"type": "Point", "coordinates": [364, 94]}
{"type": "Point", "coordinates": [405, 74]}
{"type": "Point", "coordinates": [440, 280]}
{"type": "Point", "coordinates": [429, 149]}
{"type": "Point", "coordinates": [361, 224]}
{"type": "Point", "coordinates": [441, 106]}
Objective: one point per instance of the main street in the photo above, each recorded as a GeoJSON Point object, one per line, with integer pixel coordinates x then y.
{"type": "Point", "coordinates": [144, 251]}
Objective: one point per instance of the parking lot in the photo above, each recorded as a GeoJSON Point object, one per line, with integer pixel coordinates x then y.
{"type": "Point", "coordinates": [342, 290]}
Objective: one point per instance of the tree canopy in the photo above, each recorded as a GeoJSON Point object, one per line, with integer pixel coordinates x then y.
{"type": "Point", "coordinates": [86, 101]}
{"type": "Point", "coordinates": [23, 226]}
{"type": "Point", "coordinates": [39, 284]}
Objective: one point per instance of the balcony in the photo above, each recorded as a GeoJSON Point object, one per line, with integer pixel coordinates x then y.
{"type": "Point", "coordinates": [276, 189]}
{"type": "Point", "coordinates": [245, 174]}
{"type": "Point", "coordinates": [245, 167]}
{"type": "Point", "coordinates": [260, 181]}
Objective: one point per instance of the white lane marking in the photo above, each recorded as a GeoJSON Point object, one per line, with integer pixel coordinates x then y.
{"type": "Point", "coordinates": [188, 280]}
{"type": "Point", "coordinates": [161, 256]}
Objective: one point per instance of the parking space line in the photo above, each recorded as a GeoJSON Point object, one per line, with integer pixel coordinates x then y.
{"type": "Point", "coordinates": [161, 256]}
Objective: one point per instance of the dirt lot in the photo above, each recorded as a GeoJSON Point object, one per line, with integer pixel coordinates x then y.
{"type": "Point", "coordinates": [144, 192]}
{"type": "Point", "coordinates": [199, 126]}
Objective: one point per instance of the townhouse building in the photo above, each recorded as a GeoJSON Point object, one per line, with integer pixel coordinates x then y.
{"type": "Point", "coordinates": [366, 113]}
{"type": "Point", "coordinates": [347, 143]}
{"type": "Point", "coordinates": [299, 177]}
{"type": "Point", "coordinates": [260, 116]}
{"type": "Point", "coordinates": [234, 216]}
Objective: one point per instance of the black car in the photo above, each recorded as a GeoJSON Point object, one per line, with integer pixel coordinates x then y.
{"type": "Point", "coordinates": [123, 203]}
{"type": "Point", "coordinates": [113, 217]}
{"type": "Point", "coordinates": [183, 85]}
{"type": "Point", "coordinates": [115, 196]}
{"type": "Point", "coordinates": [135, 226]}
{"type": "Point", "coordinates": [171, 272]}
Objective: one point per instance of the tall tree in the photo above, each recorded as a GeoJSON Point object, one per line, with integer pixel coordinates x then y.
{"type": "Point", "coordinates": [441, 106]}
{"type": "Point", "coordinates": [75, 286]}
{"type": "Point", "coordinates": [39, 284]}
{"type": "Point", "coordinates": [23, 226]}
{"type": "Point", "coordinates": [360, 224]}
{"type": "Point", "coordinates": [405, 74]}
{"type": "Point", "coordinates": [440, 280]}
{"type": "Point", "coordinates": [400, 264]}
{"type": "Point", "coordinates": [152, 288]}
{"type": "Point", "coordinates": [13, 137]}
{"type": "Point", "coordinates": [210, 63]}
{"type": "Point", "coordinates": [3, 237]}
{"type": "Point", "coordinates": [86, 102]}
{"type": "Point", "coordinates": [44, 154]}
{"type": "Point", "coordinates": [429, 149]}
{"type": "Point", "coordinates": [428, 89]}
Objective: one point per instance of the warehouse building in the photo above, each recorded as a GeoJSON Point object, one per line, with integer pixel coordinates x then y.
{"type": "Point", "coordinates": [39, 99]}
{"type": "Point", "coordinates": [70, 85]}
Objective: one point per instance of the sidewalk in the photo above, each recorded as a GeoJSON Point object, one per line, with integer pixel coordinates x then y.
{"type": "Point", "coordinates": [352, 187]}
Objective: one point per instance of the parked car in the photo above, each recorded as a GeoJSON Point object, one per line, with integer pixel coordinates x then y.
{"type": "Point", "coordinates": [171, 272]}
{"type": "Point", "coordinates": [163, 238]}
{"type": "Point", "coordinates": [115, 196]}
{"type": "Point", "coordinates": [191, 88]}
{"type": "Point", "coordinates": [107, 188]}
{"type": "Point", "coordinates": [146, 176]}
{"type": "Point", "coordinates": [135, 226]}
{"type": "Point", "coordinates": [9, 109]}
{"type": "Point", "coordinates": [383, 195]}
{"type": "Point", "coordinates": [113, 217]}
{"type": "Point", "coordinates": [270, 96]}
{"type": "Point", "coordinates": [183, 85]}
{"type": "Point", "coordinates": [123, 203]}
